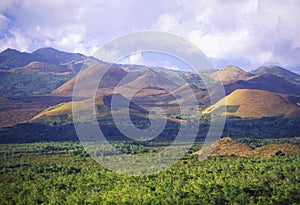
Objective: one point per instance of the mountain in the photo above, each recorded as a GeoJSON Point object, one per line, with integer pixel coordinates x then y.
{"type": "Point", "coordinates": [47, 68]}
{"type": "Point", "coordinates": [151, 78]}
{"type": "Point", "coordinates": [268, 82]}
{"type": "Point", "coordinates": [280, 72]}
{"type": "Point", "coordinates": [31, 83]}
{"type": "Point", "coordinates": [230, 147]}
{"type": "Point", "coordinates": [230, 73]}
{"type": "Point", "coordinates": [148, 83]}
{"type": "Point", "coordinates": [53, 56]}
{"type": "Point", "coordinates": [62, 113]}
{"type": "Point", "coordinates": [111, 78]}
{"type": "Point", "coordinates": [11, 58]}
{"type": "Point", "coordinates": [247, 103]}
{"type": "Point", "coordinates": [188, 92]}
{"type": "Point", "coordinates": [40, 72]}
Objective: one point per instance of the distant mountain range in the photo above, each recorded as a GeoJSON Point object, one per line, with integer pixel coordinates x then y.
{"type": "Point", "coordinates": [266, 92]}
{"type": "Point", "coordinates": [11, 58]}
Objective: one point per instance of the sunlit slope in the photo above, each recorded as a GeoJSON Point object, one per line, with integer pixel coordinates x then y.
{"type": "Point", "coordinates": [247, 103]}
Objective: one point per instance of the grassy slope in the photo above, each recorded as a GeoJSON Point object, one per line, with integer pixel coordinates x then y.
{"type": "Point", "coordinates": [257, 104]}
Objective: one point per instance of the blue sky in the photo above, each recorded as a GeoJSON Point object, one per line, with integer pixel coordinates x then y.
{"type": "Point", "coordinates": [246, 33]}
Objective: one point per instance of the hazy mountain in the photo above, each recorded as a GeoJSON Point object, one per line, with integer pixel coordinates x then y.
{"type": "Point", "coordinates": [53, 56]}
{"type": "Point", "coordinates": [11, 58]}
{"type": "Point", "coordinates": [268, 82]}
{"type": "Point", "coordinates": [280, 72]}
{"type": "Point", "coordinates": [247, 103]}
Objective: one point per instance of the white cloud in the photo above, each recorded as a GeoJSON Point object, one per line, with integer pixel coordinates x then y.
{"type": "Point", "coordinates": [18, 41]}
{"type": "Point", "coordinates": [258, 32]}
{"type": "Point", "coordinates": [248, 30]}
{"type": "Point", "coordinates": [136, 58]}
{"type": "Point", "coordinates": [156, 60]}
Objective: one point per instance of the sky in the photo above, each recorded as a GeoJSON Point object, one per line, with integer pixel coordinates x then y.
{"type": "Point", "coordinates": [247, 33]}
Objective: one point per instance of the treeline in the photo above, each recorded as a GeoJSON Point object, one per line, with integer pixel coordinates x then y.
{"type": "Point", "coordinates": [262, 128]}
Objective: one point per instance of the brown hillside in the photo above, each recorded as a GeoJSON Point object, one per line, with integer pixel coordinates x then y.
{"type": "Point", "coordinates": [157, 97]}
{"type": "Point", "coordinates": [184, 93]}
{"type": "Point", "coordinates": [62, 112]}
{"type": "Point", "coordinates": [226, 147]}
{"type": "Point", "coordinates": [189, 91]}
{"type": "Point", "coordinates": [230, 147]}
{"type": "Point", "coordinates": [272, 149]}
{"type": "Point", "coordinates": [20, 109]}
{"type": "Point", "coordinates": [110, 79]}
{"type": "Point", "coordinates": [256, 104]}
{"type": "Point", "coordinates": [150, 78]}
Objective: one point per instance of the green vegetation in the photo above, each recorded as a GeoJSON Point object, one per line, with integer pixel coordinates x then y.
{"type": "Point", "coordinates": [261, 128]}
{"type": "Point", "coordinates": [261, 142]}
{"type": "Point", "coordinates": [30, 83]}
{"type": "Point", "coordinates": [62, 173]}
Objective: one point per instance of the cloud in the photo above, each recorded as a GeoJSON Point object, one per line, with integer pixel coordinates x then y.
{"type": "Point", "coordinates": [252, 32]}
{"type": "Point", "coordinates": [95, 22]}
{"type": "Point", "coordinates": [136, 58]}
{"type": "Point", "coordinates": [153, 59]}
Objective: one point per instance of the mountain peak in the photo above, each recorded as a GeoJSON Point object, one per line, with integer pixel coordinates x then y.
{"type": "Point", "coordinates": [270, 68]}
{"type": "Point", "coordinates": [230, 73]}
{"type": "Point", "coordinates": [278, 71]}
{"type": "Point", "coordinates": [46, 50]}
{"type": "Point", "coordinates": [233, 68]}
{"type": "Point", "coordinates": [150, 71]}
{"type": "Point", "coordinates": [9, 50]}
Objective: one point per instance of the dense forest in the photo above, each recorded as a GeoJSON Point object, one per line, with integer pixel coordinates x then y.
{"type": "Point", "coordinates": [62, 173]}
